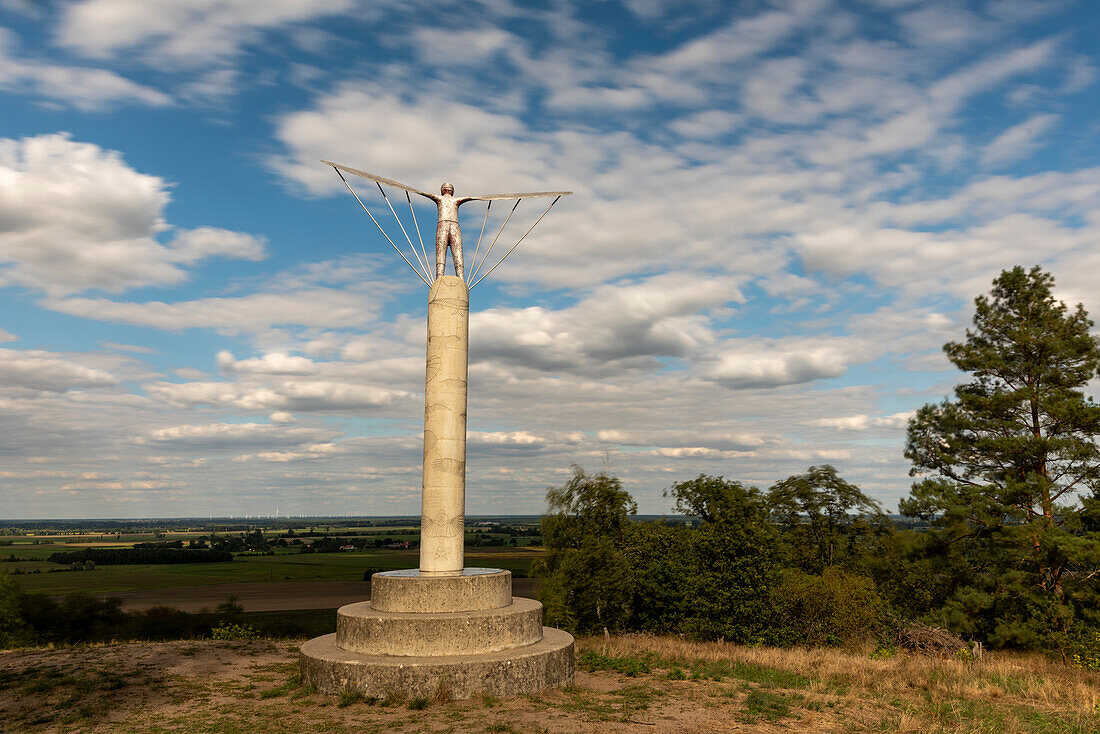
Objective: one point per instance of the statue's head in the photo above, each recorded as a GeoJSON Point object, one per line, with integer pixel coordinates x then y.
{"type": "Point", "coordinates": [447, 189]}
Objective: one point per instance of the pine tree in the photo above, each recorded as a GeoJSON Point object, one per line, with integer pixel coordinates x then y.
{"type": "Point", "coordinates": [1014, 454]}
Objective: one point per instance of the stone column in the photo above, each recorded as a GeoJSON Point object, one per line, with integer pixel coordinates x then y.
{"type": "Point", "coordinates": [443, 508]}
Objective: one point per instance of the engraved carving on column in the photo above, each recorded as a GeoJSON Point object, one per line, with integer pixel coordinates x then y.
{"type": "Point", "coordinates": [442, 517]}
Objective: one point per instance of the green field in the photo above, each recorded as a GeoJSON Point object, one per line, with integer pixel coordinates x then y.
{"type": "Point", "coordinates": [291, 566]}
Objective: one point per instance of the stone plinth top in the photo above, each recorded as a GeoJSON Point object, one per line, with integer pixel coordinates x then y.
{"type": "Point", "coordinates": [417, 573]}
{"type": "Point", "coordinates": [410, 590]}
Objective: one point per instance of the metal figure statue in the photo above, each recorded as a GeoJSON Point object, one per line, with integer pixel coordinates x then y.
{"type": "Point", "coordinates": [448, 234]}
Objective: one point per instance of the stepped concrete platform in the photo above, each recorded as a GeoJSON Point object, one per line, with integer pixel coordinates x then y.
{"type": "Point", "coordinates": [424, 633]}
{"type": "Point", "coordinates": [511, 672]}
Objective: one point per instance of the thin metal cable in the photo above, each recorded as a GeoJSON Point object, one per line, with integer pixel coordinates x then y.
{"type": "Point", "coordinates": [555, 201]}
{"type": "Point", "coordinates": [376, 224]}
{"type": "Point", "coordinates": [488, 206]}
{"type": "Point", "coordinates": [417, 230]}
{"type": "Point", "coordinates": [402, 226]}
{"type": "Point", "coordinates": [486, 255]}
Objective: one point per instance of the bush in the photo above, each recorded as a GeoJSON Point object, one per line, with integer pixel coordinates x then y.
{"type": "Point", "coordinates": [1079, 647]}
{"type": "Point", "coordinates": [76, 618]}
{"type": "Point", "coordinates": [227, 631]}
{"type": "Point", "coordinates": [12, 626]}
{"type": "Point", "coordinates": [706, 582]}
{"type": "Point", "coordinates": [831, 609]}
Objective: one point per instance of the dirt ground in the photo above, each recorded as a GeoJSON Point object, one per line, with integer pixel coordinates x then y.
{"type": "Point", "coordinates": [208, 686]}
{"type": "Point", "coordinates": [266, 597]}
{"type": "Point", "coordinates": [626, 684]}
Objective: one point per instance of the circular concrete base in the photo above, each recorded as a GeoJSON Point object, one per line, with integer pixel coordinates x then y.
{"type": "Point", "coordinates": [362, 628]}
{"type": "Point", "coordinates": [548, 662]}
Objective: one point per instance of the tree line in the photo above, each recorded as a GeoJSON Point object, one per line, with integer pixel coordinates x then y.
{"type": "Point", "coordinates": [1007, 492]}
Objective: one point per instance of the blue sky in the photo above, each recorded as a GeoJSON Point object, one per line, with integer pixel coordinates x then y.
{"type": "Point", "coordinates": [783, 209]}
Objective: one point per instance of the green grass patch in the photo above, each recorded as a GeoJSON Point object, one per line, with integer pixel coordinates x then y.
{"type": "Point", "coordinates": [591, 661]}
{"type": "Point", "coordinates": [349, 696]}
{"type": "Point", "coordinates": [1082, 722]}
{"type": "Point", "coordinates": [767, 705]}
{"type": "Point", "coordinates": [765, 676]}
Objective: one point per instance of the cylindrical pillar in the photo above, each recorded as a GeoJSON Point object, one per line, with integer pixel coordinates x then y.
{"type": "Point", "coordinates": [443, 504]}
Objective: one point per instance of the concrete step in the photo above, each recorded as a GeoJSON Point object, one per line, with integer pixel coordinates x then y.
{"type": "Point", "coordinates": [408, 590]}
{"type": "Point", "coordinates": [548, 662]}
{"type": "Point", "coordinates": [362, 628]}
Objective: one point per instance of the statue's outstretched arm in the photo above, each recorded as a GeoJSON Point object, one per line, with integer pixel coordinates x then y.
{"type": "Point", "coordinates": [532, 195]}
{"type": "Point", "coordinates": [379, 179]}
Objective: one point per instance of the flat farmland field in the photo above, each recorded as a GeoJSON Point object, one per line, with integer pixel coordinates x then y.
{"type": "Point", "coordinates": [245, 569]}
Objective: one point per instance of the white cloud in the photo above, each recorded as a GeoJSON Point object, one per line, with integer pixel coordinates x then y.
{"type": "Point", "coordinates": [309, 452]}
{"type": "Point", "coordinates": [7, 336]}
{"type": "Point", "coordinates": [180, 32]}
{"type": "Point", "coordinates": [85, 88]}
{"type": "Point", "coordinates": [757, 363]}
{"type": "Point", "coordinates": [613, 328]}
{"type": "Point", "coordinates": [1019, 141]}
{"type": "Point", "coordinates": [506, 439]}
{"type": "Point", "coordinates": [38, 370]}
{"type": "Point", "coordinates": [321, 307]}
{"type": "Point", "coordinates": [463, 46]}
{"type": "Point", "coordinates": [863, 422]}
{"type": "Point", "coordinates": [77, 217]}
{"type": "Point", "coordinates": [233, 436]}
{"type": "Point", "coordinates": [298, 396]}
{"type": "Point", "coordinates": [274, 363]}
{"type": "Point", "coordinates": [939, 24]}
{"type": "Point", "coordinates": [191, 245]}
{"type": "Point", "coordinates": [681, 439]}
{"type": "Point", "coordinates": [391, 135]}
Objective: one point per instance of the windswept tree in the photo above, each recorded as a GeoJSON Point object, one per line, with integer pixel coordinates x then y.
{"type": "Point", "coordinates": [717, 499]}
{"type": "Point", "coordinates": [586, 583]}
{"type": "Point", "coordinates": [1006, 463]}
{"type": "Point", "coordinates": [824, 517]}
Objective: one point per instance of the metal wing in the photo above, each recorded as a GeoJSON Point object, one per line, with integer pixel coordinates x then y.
{"type": "Point", "coordinates": [379, 179]}
{"type": "Point", "coordinates": [487, 197]}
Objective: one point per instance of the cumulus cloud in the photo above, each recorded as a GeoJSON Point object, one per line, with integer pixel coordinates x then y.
{"type": "Point", "coordinates": [38, 370]}
{"type": "Point", "coordinates": [291, 395]}
{"type": "Point", "coordinates": [757, 363]}
{"type": "Point", "coordinates": [863, 422]}
{"type": "Point", "coordinates": [234, 436]}
{"type": "Point", "coordinates": [615, 326]}
{"type": "Point", "coordinates": [76, 217]}
{"type": "Point", "coordinates": [270, 364]}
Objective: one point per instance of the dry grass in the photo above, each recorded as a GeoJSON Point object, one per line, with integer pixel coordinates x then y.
{"type": "Point", "coordinates": [1001, 692]}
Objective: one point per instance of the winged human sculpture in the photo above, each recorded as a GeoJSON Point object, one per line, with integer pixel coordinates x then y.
{"type": "Point", "coordinates": [447, 231]}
